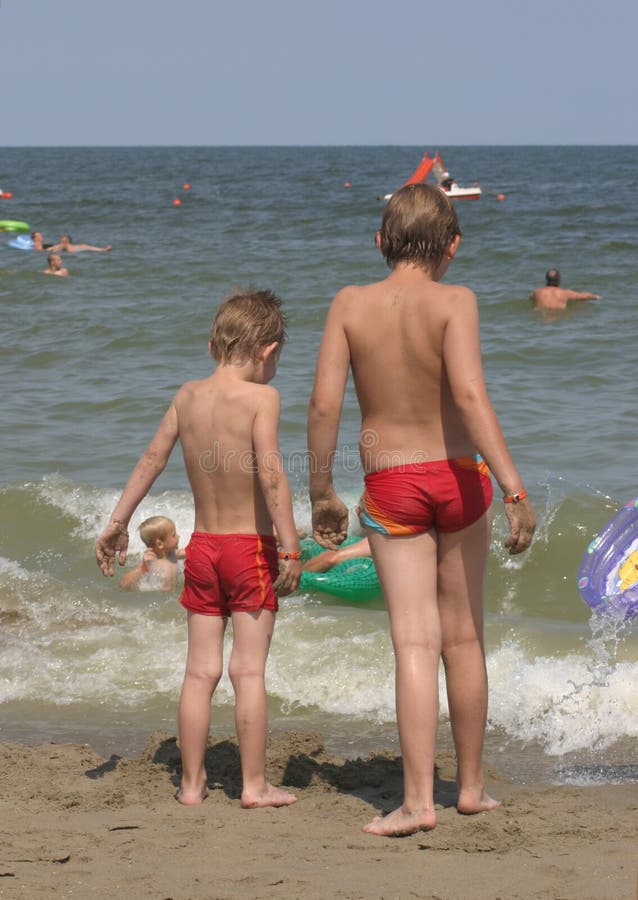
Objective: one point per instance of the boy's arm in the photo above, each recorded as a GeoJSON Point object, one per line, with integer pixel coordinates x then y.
{"type": "Point", "coordinates": [329, 514]}
{"type": "Point", "coordinates": [114, 538]}
{"type": "Point", "coordinates": [464, 367]}
{"type": "Point", "coordinates": [325, 561]}
{"type": "Point", "coordinates": [275, 488]}
{"type": "Point", "coordinates": [130, 580]}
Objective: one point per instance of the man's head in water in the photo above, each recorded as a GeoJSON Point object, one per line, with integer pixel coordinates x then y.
{"type": "Point", "coordinates": [552, 278]}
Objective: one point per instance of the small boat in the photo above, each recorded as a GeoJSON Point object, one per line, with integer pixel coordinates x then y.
{"type": "Point", "coordinates": [449, 186]}
{"type": "Point", "coordinates": [444, 180]}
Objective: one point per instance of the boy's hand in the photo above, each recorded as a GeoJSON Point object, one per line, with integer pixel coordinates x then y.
{"type": "Point", "coordinates": [149, 556]}
{"type": "Point", "coordinates": [114, 539]}
{"type": "Point", "coordinates": [522, 523]}
{"type": "Point", "coordinates": [289, 577]}
{"type": "Point", "coordinates": [329, 522]}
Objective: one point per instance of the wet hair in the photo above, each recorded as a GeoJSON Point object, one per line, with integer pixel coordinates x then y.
{"type": "Point", "coordinates": [52, 256]}
{"type": "Point", "coordinates": [418, 225]}
{"type": "Point", "coordinates": [155, 529]}
{"type": "Point", "coordinates": [552, 278]}
{"type": "Point", "coordinates": [246, 322]}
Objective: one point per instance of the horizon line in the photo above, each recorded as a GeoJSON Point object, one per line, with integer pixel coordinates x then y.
{"type": "Point", "coordinates": [296, 146]}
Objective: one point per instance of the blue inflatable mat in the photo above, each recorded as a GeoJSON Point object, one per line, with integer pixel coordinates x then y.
{"type": "Point", "coordinates": [22, 242]}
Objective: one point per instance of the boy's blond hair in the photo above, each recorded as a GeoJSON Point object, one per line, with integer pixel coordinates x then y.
{"type": "Point", "coordinates": [419, 224]}
{"type": "Point", "coordinates": [246, 322]}
{"type": "Point", "coordinates": [155, 528]}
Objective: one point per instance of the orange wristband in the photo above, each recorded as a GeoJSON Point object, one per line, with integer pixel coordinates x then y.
{"type": "Point", "coordinates": [288, 554]}
{"type": "Point", "coordinates": [515, 498]}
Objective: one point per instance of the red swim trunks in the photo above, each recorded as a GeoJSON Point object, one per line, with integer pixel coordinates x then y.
{"type": "Point", "coordinates": [227, 573]}
{"type": "Point", "coordinates": [446, 494]}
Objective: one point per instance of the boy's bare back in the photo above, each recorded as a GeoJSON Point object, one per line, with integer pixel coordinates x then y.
{"type": "Point", "coordinates": [219, 419]}
{"type": "Point", "coordinates": [401, 335]}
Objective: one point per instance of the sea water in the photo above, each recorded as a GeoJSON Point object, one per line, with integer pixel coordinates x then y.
{"type": "Point", "coordinates": [90, 362]}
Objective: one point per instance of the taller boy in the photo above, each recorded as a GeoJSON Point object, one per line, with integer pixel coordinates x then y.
{"type": "Point", "coordinates": [227, 425]}
{"type": "Point", "coordinates": [414, 349]}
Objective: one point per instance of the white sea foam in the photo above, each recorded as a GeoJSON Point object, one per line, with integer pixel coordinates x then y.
{"type": "Point", "coordinates": [75, 639]}
{"type": "Point", "coordinates": [65, 645]}
{"type": "Point", "coordinates": [563, 703]}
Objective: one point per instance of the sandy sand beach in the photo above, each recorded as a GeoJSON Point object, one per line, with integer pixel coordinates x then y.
{"type": "Point", "coordinates": [77, 825]}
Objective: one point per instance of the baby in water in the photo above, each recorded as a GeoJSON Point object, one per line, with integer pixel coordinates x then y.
{"type": "Point", "coordinates": [159, 567]}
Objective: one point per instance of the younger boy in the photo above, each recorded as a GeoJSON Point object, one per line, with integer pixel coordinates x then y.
{"type": "Point", "coordinates": [227, 425]}
{"type": "Point", "coordinates": [55, 266]}
{"type": "Point", "coordinates": [413, 346]}
{"type": "Point", "coordinates": [158, 569]}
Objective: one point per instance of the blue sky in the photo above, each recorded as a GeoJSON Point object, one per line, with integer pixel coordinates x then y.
{"type": "Point", "coordinates": [407, 72]}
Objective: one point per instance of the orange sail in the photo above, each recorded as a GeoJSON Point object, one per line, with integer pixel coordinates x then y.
{"type": "Point", "coordinates": [422, 170]}
{"type": "Point", "coordinates": [440, 172]}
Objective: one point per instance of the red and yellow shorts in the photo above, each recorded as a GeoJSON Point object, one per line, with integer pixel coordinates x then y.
{"type": "Point", "coordinates": [446, 494]}
{"type": "Point", "coordinates": [226, 573]}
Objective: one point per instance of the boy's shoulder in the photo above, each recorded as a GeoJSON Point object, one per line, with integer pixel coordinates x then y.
{"type": "Point", "coordinates": [352, 295]}
{"type": "Point", "coordinates": [350, 298]}
{"type": "Point", "coordinates": [457, 292]}
{"type": "Point", "coordinates": [245, 395]}
{"type": "Point", "coordinates": [352, 292]}
{"type": "Point", "coordinates": [190, 386]}
{"type": "Point", "coordinates": [264, 393]}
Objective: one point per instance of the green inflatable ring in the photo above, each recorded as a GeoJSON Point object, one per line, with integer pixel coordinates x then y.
{"type": "Point", "coordinates": [355, 579]}
{"type": "Point", "coordinates": [10, 225]}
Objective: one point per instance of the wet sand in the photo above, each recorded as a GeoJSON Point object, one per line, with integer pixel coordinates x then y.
{"type": "Point", "coordinates": [77, 825]}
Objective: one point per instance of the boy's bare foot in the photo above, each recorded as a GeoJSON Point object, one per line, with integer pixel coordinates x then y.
{"type": "Point", "coordinates": [269, 796]}
{"type": "Point", "coordinates": [401, 822]}
{"type": "Point", "coordinates": [473, 801]}
{"type": "Point", "coordinates": [191, 798]}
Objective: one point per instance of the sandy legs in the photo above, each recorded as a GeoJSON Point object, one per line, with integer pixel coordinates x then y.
{"type": "Point", "coordinates": [204, 665]}
{"type": "Point", "coordinates": [246, 668]}
{"type": "Point", "coordinates": [461, 574]}
{"type": "Point", "coordinates": [433, 588]}
{"type": "Point", "coordinates": [203, 671]}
